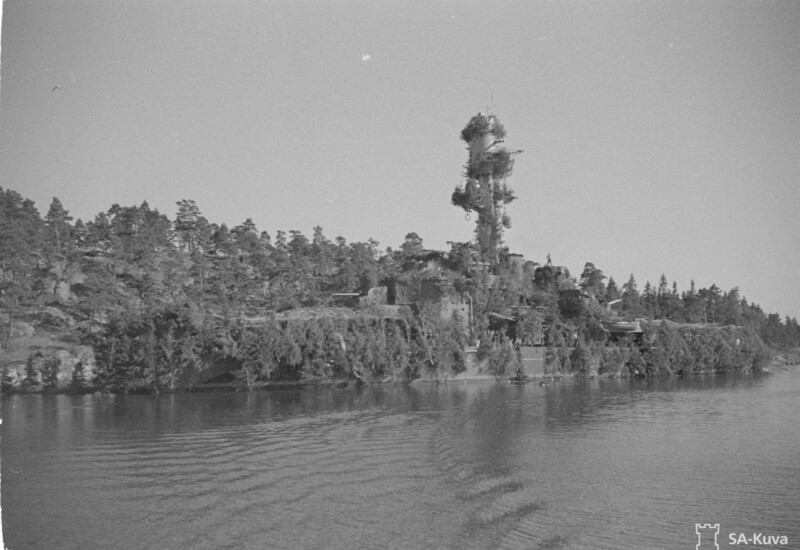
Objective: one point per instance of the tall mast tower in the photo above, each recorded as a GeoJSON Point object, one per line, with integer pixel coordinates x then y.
{"type": "Point", "coordinates": [486, 191]}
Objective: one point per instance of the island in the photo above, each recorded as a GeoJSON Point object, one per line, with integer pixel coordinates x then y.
{"type": "Point", "coordinates": [133, 301]}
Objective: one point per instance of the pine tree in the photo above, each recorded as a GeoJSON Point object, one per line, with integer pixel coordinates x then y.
{"type": "Point", "coordinates": [612, 291]}
{"type": "Point", "coordinates": [729, 308]}
{"type": "Point", "coordinates": [631, 299]}
{"type": "Point", "coordinates": [188, 223]}
{"type": "Point", "coordinates": [6, 380]}
{"type": "Point", "coordinates": [59, 230]}
{"type": "Point", "coordinates": [662, 298]}
{"type": "Point", "coordinates": [675, 308]}
{"type": "Point", "coordinates": [50, 368]}
{"type": "Point", "coordinates": [21, 246]}
{"type": "Point", "coordinates": [649, 301]}
{"type": "Point", "coordinates": [78, 381]}
{"type": "Point", "coordinates": [591, 279]}
{"type": "Point", "coordinates": [33, 368]}
{"type": "Point", "coordinates": [99, 233]}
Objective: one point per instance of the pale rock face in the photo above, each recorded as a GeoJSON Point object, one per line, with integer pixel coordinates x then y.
{"type": "Point", "coordinates": [20, 328]}
{"type": "Point", "coordinates": [62, 292]}
{"type": "Point", "coordinates": [55, 317]}
{"type": "Point", "coordinates": [70, 359]}
{"type": "Point", "coordinates": [62, 276]}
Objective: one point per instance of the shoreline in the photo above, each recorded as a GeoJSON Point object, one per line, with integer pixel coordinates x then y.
{"type": "Point", "coordinates": [224, 387]}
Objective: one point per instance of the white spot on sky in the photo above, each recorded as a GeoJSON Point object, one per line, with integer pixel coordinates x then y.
{"type": "Point", "coordinates": [365, 57]}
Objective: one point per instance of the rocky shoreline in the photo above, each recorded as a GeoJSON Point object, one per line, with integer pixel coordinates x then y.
{"type": "Point", "coordinates": [541, 379]}
{"type": "Point", "coordinates": [49, 358]}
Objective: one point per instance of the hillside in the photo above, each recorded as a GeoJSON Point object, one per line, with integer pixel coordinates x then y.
{"type": "Point", "coordinates": [136, 301]}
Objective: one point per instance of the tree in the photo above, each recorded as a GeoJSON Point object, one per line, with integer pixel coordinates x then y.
{"type": "Point", "coordinates": [58, 228]}
{"type": "Point", "coordinates": [730, 308]}
{"type": "Point", "coordinates": [6, 379]}
{"type": "Point", "coordinates": [649, 301]}
{"type": "Point", "coordinates": [33, 369]}
{"type": "Point", "coordinates": [580, 358]}
{"type": "Point", "coordinates": [410, 253]}
{"type": "Point", "coordinates": [124, 224]}
{"type": "Point", "coordinates": [612, 291]}
{"type": "Point", "coordinates": [21, 245]}
{"type": "Point", "coordinates": [662, 298]}
{"type": "Point", "coordinates": [412, 245]}
{"type": "Point", "coordinates": [364, 262]}
{"type": "Point", "coordinates": [709, 299]}
{"type": "Point", "coordinates": [556, 354]}
{"type": "Point", "coordinates": [190, 226]}
{"type": "Point", "coordinates": [693, 307]}
{"type": "Point", "coordinates": [155, 235]}
{"type": "Point", "coordinates": [79, 233]}
{"type": "Point", "coordinates": [78, 381]}
{"type": "Point", "coordinates": [246, 238]}
{"type": "Point", "coordinates": [323, 252]}
{"type": "Point", "coordinates": [772, 329]}
{"type": "Point", "coordinates": [636, 365]}
{"type": "Point", "coordinates": [674, 310]}
{"type": "Point", "coordinates": [631, 299]}
{"type": "Point", "coordinates": [591, 280]}
{"type": "Point", "coordinates": [98, 233]}
{"type": "Point", "coordinates": [50, 368]}
{"type": "Point", "coordinates": [221, 241]}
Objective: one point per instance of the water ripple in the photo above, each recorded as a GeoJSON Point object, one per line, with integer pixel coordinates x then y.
{"type": "Point", "coordinates": [598, 465]}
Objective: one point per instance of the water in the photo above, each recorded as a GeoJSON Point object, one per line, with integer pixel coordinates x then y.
{"type": "Point", "coordinates": [599, 464]}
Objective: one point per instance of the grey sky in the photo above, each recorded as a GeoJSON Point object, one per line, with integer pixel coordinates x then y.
{"type": "Point", "coordinates": [659, 137]}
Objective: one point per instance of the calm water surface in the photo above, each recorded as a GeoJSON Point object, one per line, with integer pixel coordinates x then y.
{"type": "Point", "coordinates": [599, 464]}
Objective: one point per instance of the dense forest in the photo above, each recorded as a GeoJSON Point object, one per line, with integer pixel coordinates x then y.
{"type": "Point", "coordinates": [135, 301]}
{"type": "Point", "coordinates": [154, 296]}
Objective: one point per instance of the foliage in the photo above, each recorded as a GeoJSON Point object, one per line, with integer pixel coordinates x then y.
{"type": "Point", "coordinates": [498, 164]}
{"type": "Point", "coordinates": [580, 358]}
{"type": "Point", "coordinates": [33, 368]}
{"type": "Point", "coordinates": [612, 360]}
{"type": "Point", "coordinates": [444, 343]}
{"type": "Point", "coordinates": [151, 350]}
{"type": "Point", "coordinates": [482, 124]}
{"type": "Point", "coordinates": [502, 358]}
{"type": "Point", "coordinates": [486, 191]}
{"type": "Point", "coordinates": [49, 373]}
{"type": "Point", "coordinates": [462, 199]}
{"type": "Point", "coordinates": [158, 299]}
{"type": "Point", "coordinates": [591, 280]}
{"type": "Point", "coordinates": [21, 245]}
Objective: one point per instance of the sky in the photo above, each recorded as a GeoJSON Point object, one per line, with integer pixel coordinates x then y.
{"type": "Point", "coordinates": [658, 137]}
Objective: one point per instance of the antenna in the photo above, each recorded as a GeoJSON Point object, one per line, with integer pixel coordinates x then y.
{"type": "Point", "coordinates": [491, 102]}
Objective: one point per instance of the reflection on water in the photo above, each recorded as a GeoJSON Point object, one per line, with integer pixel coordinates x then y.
{"type": "Point", "coordinates": [600, 464]}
